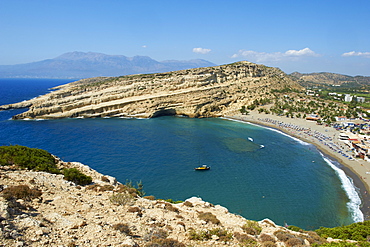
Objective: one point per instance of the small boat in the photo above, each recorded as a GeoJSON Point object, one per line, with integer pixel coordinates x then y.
{"type": "Point", "coordinates": [202, 168]}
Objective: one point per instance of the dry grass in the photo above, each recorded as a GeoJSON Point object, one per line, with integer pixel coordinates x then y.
{"type": "Point", "coordinates": [20, 192]}
{"type": "Point", "coordinates": [209, 217]}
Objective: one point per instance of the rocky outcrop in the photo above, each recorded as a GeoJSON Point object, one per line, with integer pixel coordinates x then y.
{"type": "Point", "coordinates": [201, 92]}
{"type": "Point", "coordinates": [70, 215]}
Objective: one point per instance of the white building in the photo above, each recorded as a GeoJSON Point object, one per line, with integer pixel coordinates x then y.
{"type": "Point", "coordinates": [360, 99]}
{"type": "Point", "coordinates": [348, 98]}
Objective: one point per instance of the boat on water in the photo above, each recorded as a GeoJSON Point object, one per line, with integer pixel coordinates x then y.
{"type": "Point", "coordinates": [202, 168]}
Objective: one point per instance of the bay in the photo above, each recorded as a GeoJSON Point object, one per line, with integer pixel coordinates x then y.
{"type": "Point", "coordinates": [286, 180]}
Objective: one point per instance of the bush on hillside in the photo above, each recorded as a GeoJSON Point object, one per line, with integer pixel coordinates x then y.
{"type": "Point", "coordinates": [245, 239]}
{"type": "Point", "coordinates": [28, 158]}
{"type": "Point", "coordinates": [76, 176]}
{"type": "Point", "coordinates": [295, 228]}
{"type": "Point", "coordinates": [203, 235]}
{"type": "Point", "coordinates": [20, 192]}
{"type": "Point", "coordinates": [168, 242]}
{"type": "Point", "coordinates": [209, 217]}
{"type": "Point", "coordinates": [252, 227]}
{"type": "Point", "coordinates": [357, 231]}
{"type": "Point", "coordinates": [343, 244]}
{"type": "Point", "coordinates": [121, 199]}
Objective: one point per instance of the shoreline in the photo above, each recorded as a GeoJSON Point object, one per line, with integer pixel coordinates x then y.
{"type": "Point", "coordinates": [357, 170]}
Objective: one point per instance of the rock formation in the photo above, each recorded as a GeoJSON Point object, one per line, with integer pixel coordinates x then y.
{"type": "Point", "coordinates": [69, 215]}
{"type": "Point", "coordinates": [201, 92]}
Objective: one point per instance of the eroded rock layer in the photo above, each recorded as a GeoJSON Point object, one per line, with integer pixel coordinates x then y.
{"type": "Point", "coordinates": [201, 92]}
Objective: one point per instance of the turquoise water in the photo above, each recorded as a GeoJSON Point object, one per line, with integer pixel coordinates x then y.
{"type": "Point", "coordinates": [279, 181]}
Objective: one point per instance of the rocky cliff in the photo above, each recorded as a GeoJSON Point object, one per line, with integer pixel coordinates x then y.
{"type": "Point", "coordinates": [201, 92]}
{"type": "Point", "coordinates": [102, 214]}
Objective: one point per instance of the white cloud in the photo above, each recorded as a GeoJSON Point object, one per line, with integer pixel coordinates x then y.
{"type": "Point", "coordinates": [201, 50]}
{"type": "Point", "coordinates": [275, 56]}
{"type": "Point", "coordinates": [144, 46]}
{"type": "Point", "coordinates": [303, 52]}
{"type": "Point", "coordinates": [356, 54]}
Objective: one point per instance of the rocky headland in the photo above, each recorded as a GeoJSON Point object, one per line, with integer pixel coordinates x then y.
{"type": "Point", "coordinates": [202, 92]}
{"type": "Point", "coordinates": [103, 213]}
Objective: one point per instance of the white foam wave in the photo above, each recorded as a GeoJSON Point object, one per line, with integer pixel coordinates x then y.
{"type": "Point", "coordinates": [31, 119]}
{"type": "Point", "coordinates": [350, 189]}
{"type": "Point", "coordinates": [285, 134]}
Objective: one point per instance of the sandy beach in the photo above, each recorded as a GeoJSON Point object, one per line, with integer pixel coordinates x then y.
{"type": "Point", "coordinates": [326, 140]}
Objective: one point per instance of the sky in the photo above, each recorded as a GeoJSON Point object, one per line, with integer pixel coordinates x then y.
{"type": "Point", "coordinates": [294, 35]}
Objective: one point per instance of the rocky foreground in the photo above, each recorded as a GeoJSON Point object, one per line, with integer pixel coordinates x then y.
{"type": "Point", "coordinates": [202, 92]}
{"type": "Point", "coordinates": [102, 214]}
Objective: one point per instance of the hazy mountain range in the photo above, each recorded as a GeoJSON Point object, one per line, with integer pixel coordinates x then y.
{"type": "Point", "coordinates": [90, 64]}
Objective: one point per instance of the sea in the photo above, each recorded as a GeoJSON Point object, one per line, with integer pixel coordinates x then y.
{"type": "Point", "coordinates": [256, 172]}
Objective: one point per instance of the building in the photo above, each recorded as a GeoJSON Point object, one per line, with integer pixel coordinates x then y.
{"type": "Point", "coordinates": [348, 98]}
{"type": "Point", "coordinates": [340, 118]}
{"type": "Point", "coordinates": [360, 99]}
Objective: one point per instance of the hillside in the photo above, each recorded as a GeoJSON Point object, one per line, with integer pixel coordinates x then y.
{"type": "Point", "coordinates": [201, 92]}
{"type": "Point", "coordinates": [331, 79]}
{"type": "Point", "coordinates": [90, 64]}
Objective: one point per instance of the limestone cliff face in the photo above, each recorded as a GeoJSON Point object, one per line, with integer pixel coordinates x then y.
{"type": "Point", "coordinates": [201, 92]}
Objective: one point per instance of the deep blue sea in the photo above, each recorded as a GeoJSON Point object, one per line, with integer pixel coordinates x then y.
{"type": "Point", "coordinates": [286, 181]}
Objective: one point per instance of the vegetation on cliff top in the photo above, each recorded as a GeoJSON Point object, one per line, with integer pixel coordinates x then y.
{"type": "Point", "coordinates": [357, 231]}
{"type": "Point", "coordinates": [28, 158]}
{"type": "Point", "coordinates": [39, 160]}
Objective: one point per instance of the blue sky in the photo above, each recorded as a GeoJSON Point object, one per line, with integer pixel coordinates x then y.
{"type": "Point", "coordinates": [294, 35]}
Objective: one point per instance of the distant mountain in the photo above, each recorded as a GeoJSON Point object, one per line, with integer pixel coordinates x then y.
{"type": "Point", "coordinates": [331, 79]}
{"type": "Point", "coordinates": [90, 64]}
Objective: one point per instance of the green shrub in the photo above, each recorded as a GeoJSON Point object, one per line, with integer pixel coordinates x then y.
{"type": "Point", "coordinates": [343, 244]}
{"type": "Point", "coordinates": [169, 242]}
{"type": "Point", "coordinates": [223, 235]}
{"type": "Point", "coordinates": [209, 217]}
{"type": "Point", "coordinates": [138, 190]}
{"type": "Point", "coordinates": [356, 231]}
{"type": "Point", "coordinates": [200, 235]}
{"type": "Point", "coordinates": [76, 176]}
{"type": "Point", "coordinates": [172, 201]}
{"type": "Point", "coordinates": [20, 192]}
{"type": "Point", "coordinates": [28, 158]}
{"type": "Point", "coordinates": [245, 239]}
{"type": "Point", "coordinates": [295, 228]}
{"type": "Point", "coordinates": [121, 198]}
{"type": "Point", "coordinates": [252, 227]}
